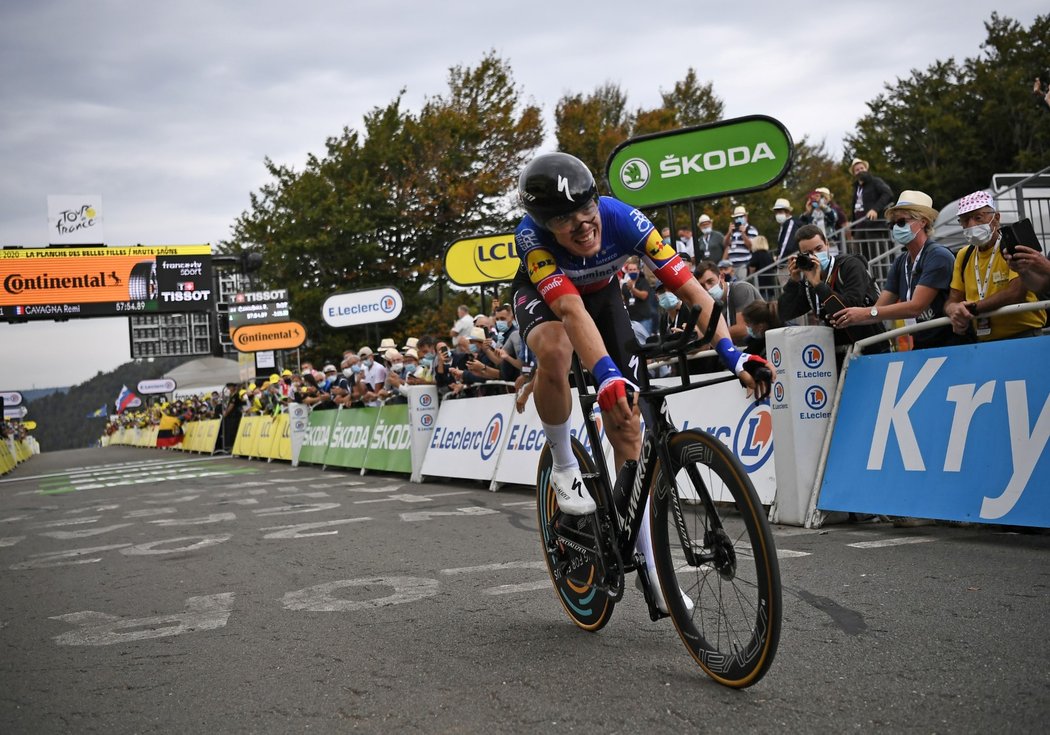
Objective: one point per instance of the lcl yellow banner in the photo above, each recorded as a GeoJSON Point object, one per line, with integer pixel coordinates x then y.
{"type": "Point", "coordinates": [473, 261]}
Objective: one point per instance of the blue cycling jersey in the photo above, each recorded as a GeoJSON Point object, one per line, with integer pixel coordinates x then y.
{"type": "Point", "coordinates": [625, 232]}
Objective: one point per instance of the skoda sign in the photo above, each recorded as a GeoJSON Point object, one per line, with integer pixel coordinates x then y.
{"type": "Point", "coordinates": [702, 162]}
{"type": "Point", "coordinates": [473, 261]}
{"type": "Point", "coordinates": [362, 307]}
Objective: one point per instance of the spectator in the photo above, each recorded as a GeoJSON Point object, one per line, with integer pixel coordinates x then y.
{"type": "Point", "coordinates": [990, 283]}
{"type": "Point", "coordinates": [665, 233]}
{"type": "Point", "coordinates": [1033, 267]}
{"type": "Point", "coordinates": [481, 368]}
{"type": "Point", "coordinates": [443, 364]}
{"type": "Point", "coordinates": [760, 316]}
{"type": "Point", "coordinates": [672, 318]}
{"type": "Point", "coordinates": [637, 295]}
{"type": "Point", "coordinates": [507, 353]}
{"type": "Point", "coordinates": [710, 244]}
{"type": "Point", "coordinates": [390, 392]}
{"type": "Point", "coordinates": [726, 270]}
{"type": "Point", "coordinates": [1041, 94]}
{"type": "Point", "coordinates": [837, 241]}
{"type": "Point", "coordinates": [919, 279]}
{"type": "Point", "coordinates": [762, 260]}
{"type": "Point", "coordinates": [463, 324]}
{"type": "Point", "coordinates": [822, 284]}
{"type": "Point", "coordinates": [684, 246]}
{"type": "Point", "coordinates": [870, 196]}
{"type": "Point", "coordinates": [818, 211]}
{"type": "Point", "coordinates": [372, 378]}
{"type": "Point", "coordinates": [786, 242]}
{"type": "Point", "coordinates": [734, 296]}
{"type": "Point", "coordinates": [738, 243]}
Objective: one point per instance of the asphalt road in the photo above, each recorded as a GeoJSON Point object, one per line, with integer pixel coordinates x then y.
{"type": "Point", "coordinates": [149, 591]}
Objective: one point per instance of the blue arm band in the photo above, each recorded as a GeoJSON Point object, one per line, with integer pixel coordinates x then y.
{"type": "Point", "coordinates": [729, 354]}
{"type": "Point", "coordinates": [605, 369]}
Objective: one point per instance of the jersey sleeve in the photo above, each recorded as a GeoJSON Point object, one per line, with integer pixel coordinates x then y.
{"type": "Point", "coordinates": [662, 260]}
{"type": "Point", "coordinates": [540, 265]}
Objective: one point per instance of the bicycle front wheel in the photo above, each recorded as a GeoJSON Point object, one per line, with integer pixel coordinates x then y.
{"type": "Point", "coordinates": [712, 543]}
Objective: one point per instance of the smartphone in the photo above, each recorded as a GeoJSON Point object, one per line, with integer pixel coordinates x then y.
{"type": "Point", "coordinates": [1019, 233]}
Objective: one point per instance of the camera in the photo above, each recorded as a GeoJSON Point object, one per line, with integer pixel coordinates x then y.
{"type": "Point", "coordinates": [804, 263]}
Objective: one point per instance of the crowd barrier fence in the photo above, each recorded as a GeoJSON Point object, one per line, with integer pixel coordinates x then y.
{"type": "Point", "coordinates": [14, 452]}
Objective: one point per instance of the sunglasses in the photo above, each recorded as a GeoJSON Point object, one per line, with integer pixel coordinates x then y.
{"type": "Point", "coordinates": [902, 222]}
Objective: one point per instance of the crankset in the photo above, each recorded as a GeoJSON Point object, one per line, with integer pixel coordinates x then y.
{"type": "Point", "coordinates": [585, 553]}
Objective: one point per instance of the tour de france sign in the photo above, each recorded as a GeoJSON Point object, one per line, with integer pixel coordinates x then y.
{"type": "Point", "coordinates": [362, 307]}
{"type": "Point", "coordinates": [728, 157]}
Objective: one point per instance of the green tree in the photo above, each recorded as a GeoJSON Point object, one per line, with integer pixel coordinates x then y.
{"type": "Point", "coordinates": [692, 102]}
{"type": "Point", "coordinates": [947, 129]}
{"type": "Point", "coordinates": [590, 127]}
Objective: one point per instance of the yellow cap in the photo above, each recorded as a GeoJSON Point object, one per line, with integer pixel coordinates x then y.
{"type": "Point", "coordinates": [275, 378]}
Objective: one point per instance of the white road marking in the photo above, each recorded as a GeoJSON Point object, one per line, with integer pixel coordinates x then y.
{"type": "Point", "coordinates": [899, 541]}
{"type": "Point", "coordinates": [65, 558]}
{"type": "Point", "coordinates": [426, 515]}
{"type": "Point", "coordinates": [289, 509]}
{"type": "Point", "coordinates": [495, 567]}
{"type": "Point", "coordinates": [299, 529]}
{"type": "Point", "coordinates": [83, 532]}
{"type": "Point", "coordinates": [207, 612]}
{"type": "Point", "coordinates": [320, 598]}
{"type": "Point", "coordinates": [147, 512]}
{"type": "Point", "coordinates": [509, 589]}
{"type": "Point", "coordinates": [10, 541]}
{"type": "Point", "coordinates": [199, 542]}
{"type": "Point", "coordinates": [202, 521]}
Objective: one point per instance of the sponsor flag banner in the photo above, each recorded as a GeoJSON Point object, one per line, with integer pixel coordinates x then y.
{"type": "Point", "coordinates": [481, 259]}
{"type": "Point", "coordinates": [45, 283]}
{"type": "Point", "coordinates": [362, 307]}
{"type": "Point", "coordinates": [75, 219]}
{"type": "Point", "coordinates": [98, 413]}
{"type": "Point", "coordinates": [955, 433]}
{"type": "Point", "coordinates": [351, 434]}
{"type": "Point", "coordinates": [125, 399]}
{"type": "Point", "coordinates": [702, 162]}
{"type": "Point", "coordinates": [468, 437]}
{"type": "Point", "coordinates": [318, 435]}
{"type": "Point", "coordinates": [390, 445]}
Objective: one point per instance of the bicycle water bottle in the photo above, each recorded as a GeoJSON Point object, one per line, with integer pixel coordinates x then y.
{"type": "Point", "coordinates": [624, 483]}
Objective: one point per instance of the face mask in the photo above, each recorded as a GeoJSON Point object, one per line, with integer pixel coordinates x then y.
{"type": "Point", "coordinates": [397, 367]}
{"type": "Point", "coordinates": [633, 276]}
{"type": "Point", "coordinates": [287, 381]}
{"type": "Point", "coordinates": [369, 362]}
{"type": "Point", "coordinates": [716, 292]}
{"type": "Point", "coordinates": [705, 230]}
{"type": "Point", "coordinates": [978, 234]}
{"type": "Point", "coordinates": [824, 258]}
{"type": "Point", "coordinates": [823, 201]}
{"type": "Point", "coordinates": [427, 360]}
{"type": "Point", "coordinates": [903, 234]}
{"type": "Point", "coordinates": [781, 218]}
{"type": "Point", "coordinates": [667, 301]}
{"type": "Point", "coordinates": [355, 368]}
{"type": "Point", "coordinates": [739, 220]}
{"type": "Point", "coordinates": [502, 326]}
{"type": "Point", "coordinates": [348, 372]}
{"type": "Point", "coordinates": [474, 348]}
{"type": "Point", "coordinates": [410, 368]}
{"type": "Point", "coordinates": [750, 332]}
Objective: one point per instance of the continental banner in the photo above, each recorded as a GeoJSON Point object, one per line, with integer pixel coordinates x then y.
{"type": "Point", "coordinates": [45, 283]}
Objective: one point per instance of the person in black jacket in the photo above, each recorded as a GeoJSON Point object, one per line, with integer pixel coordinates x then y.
{"type": "Point", "coordinates": [822, 284]}
{"type": "Point", "coordinates": [871, 195]}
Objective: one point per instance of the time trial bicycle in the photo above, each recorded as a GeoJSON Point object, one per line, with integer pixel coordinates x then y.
{"type": "Point", "coordinates": [714, 553]}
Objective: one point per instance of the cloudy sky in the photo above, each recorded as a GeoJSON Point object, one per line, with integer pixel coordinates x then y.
{"type": "Point", "coordinates": [168, 109]}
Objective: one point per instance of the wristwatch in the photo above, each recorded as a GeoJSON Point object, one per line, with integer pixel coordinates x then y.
{"type": "Point", "coordinates": [874, 312]}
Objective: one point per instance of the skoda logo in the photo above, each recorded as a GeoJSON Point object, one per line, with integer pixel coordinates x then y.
{"type": "Point", "coordinates": [816, 397]}
{"type": "Point", "coordinates": [490, 439]}
{"type": "Point", "coordinates": [812, 356]}
{"type": "Point", "coordinates": [753, 438]}
{"type": "Point", "coordinates": [388, 304]}
{"type": "Point", "coordinates": [775, 356]}
{"type": "Point", "coordinates": [634, 174]}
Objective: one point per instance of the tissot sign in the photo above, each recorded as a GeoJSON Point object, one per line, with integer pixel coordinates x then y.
{"type": "Point", "coordinates": [481, 259]}
{"type": "Point", "coordinates": [729, 157]}
{"type": "Point", "coordinates": [362, 307]}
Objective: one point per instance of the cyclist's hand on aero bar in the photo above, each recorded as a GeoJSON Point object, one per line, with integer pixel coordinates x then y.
{"type": "Point", "coordinates": [754, 372]}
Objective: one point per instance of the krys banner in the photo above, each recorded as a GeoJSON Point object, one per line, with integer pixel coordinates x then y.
{"type": "Point", "coordinates": [45, 283]}
{"type": "Point", "coordinates": [728, 157]}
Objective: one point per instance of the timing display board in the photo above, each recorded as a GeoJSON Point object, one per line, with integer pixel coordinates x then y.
{"type": "Point", "coordinates": [63, 283]}
{"type": "Point", "coordinates": [259, 307]}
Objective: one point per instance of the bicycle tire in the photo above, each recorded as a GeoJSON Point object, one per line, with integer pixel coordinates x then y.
{"type": "Point", "coordinates": [732, 628]}
{"type": "Point", "coordinates": [586, 605]}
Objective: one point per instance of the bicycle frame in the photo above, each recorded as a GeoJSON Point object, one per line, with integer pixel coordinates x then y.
{"type": "Point", "coordinates": [658, 426]}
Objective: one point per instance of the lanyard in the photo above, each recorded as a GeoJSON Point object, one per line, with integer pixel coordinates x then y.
{"type": "Point", "coordinates": [915, 266]}
{"type": "Point", "coordinates": [816, 302]}
{"type": "Point", "coordinates": [983, 285]}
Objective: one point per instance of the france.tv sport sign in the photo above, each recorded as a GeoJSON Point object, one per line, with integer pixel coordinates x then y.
{"type": "Point", "coordinates": [481, 259]}
{"type": "Point", "coordinates": [362, 307]}
{"type": "Point", "coordinates": [728, 157]}
{"type": "Point", "coordinates": [50, 283]}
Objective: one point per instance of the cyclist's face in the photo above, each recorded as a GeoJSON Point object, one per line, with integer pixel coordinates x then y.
{"type": "Point", "coordinates": [579, 232]}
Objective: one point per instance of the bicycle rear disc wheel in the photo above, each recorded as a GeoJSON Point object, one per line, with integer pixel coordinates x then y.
{"type": "Point", "coordinates": [586, 605]}
{"type": "Point", "coordinates": [712, 541]}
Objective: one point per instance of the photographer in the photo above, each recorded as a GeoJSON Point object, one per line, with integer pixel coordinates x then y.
{"type": "Point", "coordinates": [822, 284]}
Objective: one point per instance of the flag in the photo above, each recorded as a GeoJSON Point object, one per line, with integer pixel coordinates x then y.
{"type": "Point", "coordinates": [98, 412]}
{"type": "Point", "coordinates": [124, 399]}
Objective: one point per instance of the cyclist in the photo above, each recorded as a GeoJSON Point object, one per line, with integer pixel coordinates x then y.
{"type": "Point", "coordinates": [572, 243]}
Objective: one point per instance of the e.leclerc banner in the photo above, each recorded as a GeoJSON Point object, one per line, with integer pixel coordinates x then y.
{"type": "Point", "coordinates": [727, 157]}
{"type": "Point", "coordinates": [362, 307]}
{"type": "Point", "coordinates": [481, 259]}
